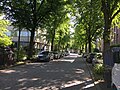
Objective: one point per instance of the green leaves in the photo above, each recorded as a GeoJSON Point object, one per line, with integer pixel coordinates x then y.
{"type": "Point", "coordinates": [4, 39]}
{"type": "Point", "coordinates": [116, 19]}
{"type": "Point", "coordinates": [89, 21]}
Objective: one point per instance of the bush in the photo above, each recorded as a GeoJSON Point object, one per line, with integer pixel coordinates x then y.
{"type": "Point", "coordinates": [98, 69]}
{"type": "Point", "coordinates": [26, 48]}
{"type": "Point", "coordinates": [6, 56]}
{"type": "Point", "coordinates": [22, 53]}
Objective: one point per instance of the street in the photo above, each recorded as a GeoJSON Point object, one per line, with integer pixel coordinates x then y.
{"type": "Point", "coordinates": [68, 73]}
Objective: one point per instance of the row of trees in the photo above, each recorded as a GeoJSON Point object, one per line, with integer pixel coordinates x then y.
{"type": "Point", "coordinates": [34, 14]}
{"type": "Point", "coordinates": [95, 19]}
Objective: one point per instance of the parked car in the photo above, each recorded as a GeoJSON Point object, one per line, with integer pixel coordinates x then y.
{"type": "Point", "coordinates": [61, 54]}
{"type": "Point", "coordinates": [67, 53]}
{"type": "Point", "coordinates": [90, 58]}
{"type": "Point", "coordinates": [116, 68]}
{"type": "Point", "coordinates": [45, 56]}
{"type": "Point", "coordinates": [57, 54]}
{"type": "Point", "coordinates": [116, 76]}
{"type": "Point", "coordinates": [84, 55]}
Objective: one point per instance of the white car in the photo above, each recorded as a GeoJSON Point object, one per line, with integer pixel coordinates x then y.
{"type": "Point", "coordinates": [116, 77]}
{"type": "Point", "coordinates": [116, 69]}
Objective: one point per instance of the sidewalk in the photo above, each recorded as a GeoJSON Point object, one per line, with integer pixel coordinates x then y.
{"type": "Point", "coordinates": [100, 85]}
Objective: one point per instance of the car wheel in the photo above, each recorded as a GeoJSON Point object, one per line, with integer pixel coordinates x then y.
{"type": "Point", "coordinates": [114, 87]}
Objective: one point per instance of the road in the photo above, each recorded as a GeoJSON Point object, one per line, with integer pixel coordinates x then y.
{"type": "Point", "coordinates": [68, 73]}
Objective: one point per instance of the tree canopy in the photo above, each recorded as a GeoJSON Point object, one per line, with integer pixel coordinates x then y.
{"type": "Point", "coordinates": [31, 14]}
{"type": "Point", "coordinates": [92, 18]}
{"type": "Point", "coordinates": [4, 39]}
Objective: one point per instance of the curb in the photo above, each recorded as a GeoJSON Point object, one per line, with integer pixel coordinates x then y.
{"type": "Point", "coordinates": [6, 67]}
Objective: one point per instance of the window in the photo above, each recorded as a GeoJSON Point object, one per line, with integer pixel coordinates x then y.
{"type": "Point", "coordinates": [24, 33]}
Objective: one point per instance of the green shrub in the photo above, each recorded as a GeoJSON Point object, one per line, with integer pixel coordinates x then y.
{"type": "Point", "coordinates": [98, 69]}
{"type": "Point", "coordinates": [22, 53]}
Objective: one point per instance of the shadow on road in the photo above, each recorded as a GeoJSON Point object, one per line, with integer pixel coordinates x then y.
{"type": "Point", "coordinates": [56, 75]}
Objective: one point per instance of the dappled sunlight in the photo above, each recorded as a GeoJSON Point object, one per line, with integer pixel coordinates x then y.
{"type": "Point", "coordinates": [48, 88]}
{"type": "Point", "coordinates": [66, 60]}
{"type": "Point", "coordinates": [36, 63]}
{"type": "Point", "coordinates": [24, 88]}
{"type": "Point", "coordinates": [69, 58]}
{"type": "Point", "coordinates": [88, 79]}
{"type": "Point", "coordinates": [73, 54]}
{"type": "Point", "coordinates": [88, 86]}
{"type": "Point", "coordinates": [72, 83]}
{"type": "Point", "coordinates": [55, 75]}
{"type": "Point", "coordinates": [7, 88]}
{"type": "Point", "coordinates": [22, 84]}
{"type": "Point", "coordinates": [78, 71]}
{"type": "Point", "coordinates": [34, 79]}
{"type": "Point", "coordinates": [23, 79]}
{"type": "Point", "coordinates": [7, 71]}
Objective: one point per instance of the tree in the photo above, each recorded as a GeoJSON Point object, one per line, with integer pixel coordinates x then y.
{"type": "Point", "coordinates": [30, 14]}
{"type": "Point", "coordinates": [110, 9]}
{"type": "Point", "coordinates": [63, 34]}
{"type": "Point", "coordinates": [89, 17]}
{"type": "Point", "coordinates": [79, 36]}
{"type": "Point", "coordinates": [56, 24]}
{"type": "Point", "coordinates": [4, 39]}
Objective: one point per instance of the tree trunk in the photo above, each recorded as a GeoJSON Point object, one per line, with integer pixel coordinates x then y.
{"type": "Point", "coordinates": [31, 45]}
{"type": "Point", "coordinates": [18, 45]}
{"type": "Point", "coordinates": [89, 45]}
{"type": "Point", "coordinates": [59, 45]}
{"type": "Point", "coordinates": [106, 44]}
{"type": "Point", "coordinates": [106, 35]}
{"type": "Point", "coordinates": [59, 42]}
{"type": "Point", "coordinates": [52, 42]}
{"type": "Point", "coordinates": [89, 41]}
{"type": "Point", "coordinates": [86, 47]}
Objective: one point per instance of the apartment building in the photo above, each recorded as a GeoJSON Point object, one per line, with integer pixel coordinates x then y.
{"type": "Point", "coordinates": [115, 36]}
{"type": "Point", "coordinates": [39, 40]}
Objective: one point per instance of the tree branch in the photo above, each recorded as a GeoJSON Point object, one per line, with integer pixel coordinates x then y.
{"type": "Point", "coordinates": [40, 5]}
{"type": "Point", "coordinates": [40, 18]}
{"type": "Point", "coordinates": [113, 7]}
{"type": "Point", "coordinates": [113, 16]}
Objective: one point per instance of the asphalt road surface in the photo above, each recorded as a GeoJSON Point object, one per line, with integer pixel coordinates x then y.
{"type": "Point", "coordinates": [68, 73]}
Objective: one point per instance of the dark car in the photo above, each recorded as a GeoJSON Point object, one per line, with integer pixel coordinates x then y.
{"type": "Point", "coordinates": [45, 56]}
{"type": "Point", "coordinates": [90, 58]}
{"type": "Point", "coordinates": [57, 55]}
{"type": "Point", "coordinates": [67, 53]}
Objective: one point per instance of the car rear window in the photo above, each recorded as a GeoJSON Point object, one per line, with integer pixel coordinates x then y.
{"type": "Point", "coordinates": [46, 52]}
{"type": "Point", "coordinates": [55, 52]}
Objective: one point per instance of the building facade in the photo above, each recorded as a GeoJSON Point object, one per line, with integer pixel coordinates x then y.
{"type": "Point", "coordinates": [39, 40]}
{"type": "Point", "coordinates": [115, 36]}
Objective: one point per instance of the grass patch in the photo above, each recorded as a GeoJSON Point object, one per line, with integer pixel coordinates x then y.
{"type": "Point", "coordinates": [98, 71]}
